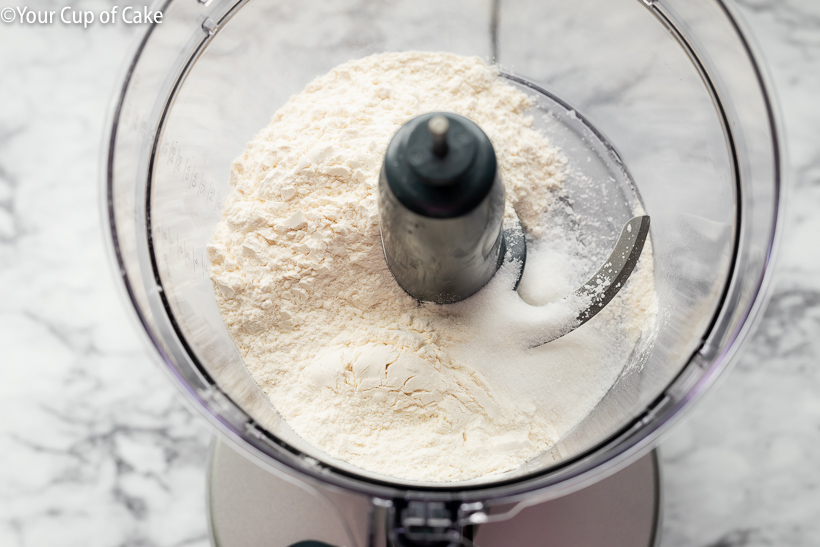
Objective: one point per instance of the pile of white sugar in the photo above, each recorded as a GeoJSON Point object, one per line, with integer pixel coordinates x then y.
{"type": "Point", "coordinates": [354, 365]}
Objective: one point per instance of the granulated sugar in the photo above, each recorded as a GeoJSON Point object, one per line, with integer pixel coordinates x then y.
{"type": "Point", "coordinates": [356, 366]}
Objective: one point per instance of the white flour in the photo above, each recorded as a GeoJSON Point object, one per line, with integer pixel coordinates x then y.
{"type": "Point", "coordinates": [355, 366]}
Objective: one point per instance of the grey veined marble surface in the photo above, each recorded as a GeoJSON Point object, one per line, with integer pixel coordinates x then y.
{"type": "Point", "coordinates": [95, 447]}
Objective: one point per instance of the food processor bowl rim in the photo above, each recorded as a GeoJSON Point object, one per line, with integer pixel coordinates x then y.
{"type": "Point", "coordinates": [613, 453]}
{"type": "Point", "coordinates": [111, 126]}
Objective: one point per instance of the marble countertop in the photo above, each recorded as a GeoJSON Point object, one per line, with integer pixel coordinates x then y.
{"type": "Point", "coordinates": [97, 449]}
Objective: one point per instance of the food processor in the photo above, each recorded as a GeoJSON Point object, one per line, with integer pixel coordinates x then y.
{"type": "Point", "coordinates": [659, 106]}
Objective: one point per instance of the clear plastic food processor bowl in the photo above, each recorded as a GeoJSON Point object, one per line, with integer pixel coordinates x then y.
{"type": "Point", "coordinates": [664, 97]}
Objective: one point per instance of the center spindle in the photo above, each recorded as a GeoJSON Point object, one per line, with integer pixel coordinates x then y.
{"type": "Point", "coordinates": [441, 204]}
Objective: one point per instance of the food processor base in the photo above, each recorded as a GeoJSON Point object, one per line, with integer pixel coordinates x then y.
{"type": "Point", "coordinates": [251, 506]}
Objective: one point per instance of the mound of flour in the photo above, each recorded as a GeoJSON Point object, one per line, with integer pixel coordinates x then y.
{"type": "Point", "coordinates": [353, 364]}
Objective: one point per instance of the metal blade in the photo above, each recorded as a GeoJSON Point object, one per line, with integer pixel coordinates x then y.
{"type": "Point", "coordinates": [611, 277]}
